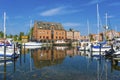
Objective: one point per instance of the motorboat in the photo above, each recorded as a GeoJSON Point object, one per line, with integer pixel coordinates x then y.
{"type": "Point", "coordinates": [100, 47]}
{"type": "Point", "coordinates": [32, 47]}
{"type": "Point", "coordinates": [9, 52]}
{"type": "Point", "coordinates": [32, 44]}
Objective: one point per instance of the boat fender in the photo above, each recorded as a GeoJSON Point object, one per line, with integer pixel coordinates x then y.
{"type": "Point", "coordinates": [14, 55]}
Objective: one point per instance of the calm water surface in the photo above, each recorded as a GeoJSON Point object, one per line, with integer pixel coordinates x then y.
{"type": "Point", "coordinates": [58, 64]}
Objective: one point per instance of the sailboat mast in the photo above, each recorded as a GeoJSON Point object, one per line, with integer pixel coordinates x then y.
{"type": "Point", "coordinates": [30, 29]}
{"type": "Point", "coordinates": [98, 21]}
{"type": "Point", "coordinates": [88, 30]}
{"type": "Point", "coordinates": [4, 25]}
{"type": "Point", "coordinates": [106, 19]}
{"type": "Point", "coordinates": [106, 26]}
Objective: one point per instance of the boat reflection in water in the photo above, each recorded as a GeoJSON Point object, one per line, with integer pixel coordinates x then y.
{"type": "Point", "coordinates": [115, 65]}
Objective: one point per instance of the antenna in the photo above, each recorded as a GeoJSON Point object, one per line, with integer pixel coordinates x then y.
{"type": "Point", "coordinates": [4, 25]}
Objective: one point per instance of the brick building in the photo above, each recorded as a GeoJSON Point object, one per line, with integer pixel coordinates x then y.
{"type": "Point", "coordinates": [111, 34]}
{"type": "Point", "coordinates": [48, 31]}
{"type": "Point", "coordinates": [73, 35]}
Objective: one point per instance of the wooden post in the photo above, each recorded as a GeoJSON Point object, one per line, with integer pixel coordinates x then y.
{"type": "Point", "coordinates": [112, 46]}
{"type": "Point", "coordinates": [100, 50]}
{"type": "Point", "coordinates": [91, 48]}
{"type": "Point", "coordinates": [20, 54]}
{"type": "Point", "coordinates": [85, 49]}
{"type": "Point", "coordinates": [14, 53]}
{"type": "Point", "coordinates": [24, 52]}
{"type": "Point", "coordinates": [4, 51]}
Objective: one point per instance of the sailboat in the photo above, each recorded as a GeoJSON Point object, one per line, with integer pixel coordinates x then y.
{"type": "Point", "coordinates": [85, 45]}
{"type": "Point", "coordinates": [100, 46]}
{"type": "Point", "coordinates": [32, 44]}
{"type": "Point", "coordinates": [7, 49]}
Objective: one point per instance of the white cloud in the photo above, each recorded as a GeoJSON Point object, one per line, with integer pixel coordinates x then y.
{"type": "Point", "coordinates": [92, 2]}
{"type": "Point", "coordinates": [51, 12]}
{"type": "Point", "coordinates": [71, 24]}
{"type": "Point", "coordinates": [115, 4]}
{"type": "Point", "coordinates": [18, 17]}
{"type": "Point", "coordinates": [111, 16]}
{"type": "Point", "coordinates": [58, 11]}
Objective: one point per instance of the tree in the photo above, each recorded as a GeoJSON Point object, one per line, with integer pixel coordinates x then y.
{"type": "Point", "coordinates": [1, 34]}
{"type": "Point", "coordinates": [10, 36]}
{"type": "Point", "coordinates": [20, 35]}
{"type": "Point", "coordinates": [15, 37]}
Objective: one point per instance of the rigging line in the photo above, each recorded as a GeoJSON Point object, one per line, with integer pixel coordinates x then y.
{"type": "Point", "coordinates": [111, 29]}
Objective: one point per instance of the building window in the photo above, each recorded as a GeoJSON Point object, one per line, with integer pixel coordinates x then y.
{"type": "Point", "coordinates": [43, 37]}
{"type": "Point", "coordinates": [59, 37]}
{"type": "Point", "coordinates": [59, 33]}
{"type": "Point", "coordinates": [40, 37]}
{"type": "Point", "coordinates": [56, 37]}
{"type": "Point", "coordinates": [47, 37]}
{"type": "Point", "coordinates": [62, 33]}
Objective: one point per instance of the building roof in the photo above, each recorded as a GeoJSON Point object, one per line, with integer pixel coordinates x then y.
{"type": "Point", "coordinates": [47, 25]}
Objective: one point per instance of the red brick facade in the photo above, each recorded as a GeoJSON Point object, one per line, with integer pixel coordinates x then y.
{"type": "Point", "coordinates": [48, 31]}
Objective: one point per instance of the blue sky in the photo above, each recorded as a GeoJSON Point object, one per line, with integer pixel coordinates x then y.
{"type": "Point", "coordinates": [70, 13]}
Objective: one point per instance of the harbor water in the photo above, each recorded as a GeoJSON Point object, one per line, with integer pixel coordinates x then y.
{"type": "Point", "coordinates": [58, 63]}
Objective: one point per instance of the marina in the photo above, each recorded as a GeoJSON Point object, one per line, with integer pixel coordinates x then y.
{"type": "Point", "coordinates": [59, 40]}
{"type": "Point", "coordinates": [49, 63]}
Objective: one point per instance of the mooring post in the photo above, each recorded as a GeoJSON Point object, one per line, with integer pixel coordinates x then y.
{"type": "Point", "coordinates": [85, 49]}
{"type": "Point", "coordinates": [20, 53]}
{"type": "Point", "coordinates": [100, 50]}
{"type": "Point", "coordinates": [111, 46]}
{"type": "Point", "coordinates": [14, 57]}
{"type": "Point", "coordinates": [91, 49]}
{"type": "Point", "coordinates": [14, 52]}
{"type": "Point", "coordinates": [4, 51]}
{"type": "Point", "coordinates": [24, 53]}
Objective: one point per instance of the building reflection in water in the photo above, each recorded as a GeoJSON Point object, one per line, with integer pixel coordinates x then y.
{"type": "Point", "coordinates": [51, 56]}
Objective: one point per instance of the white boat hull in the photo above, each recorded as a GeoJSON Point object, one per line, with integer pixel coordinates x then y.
{"type": "Point", "coordinates": [98, 49]}
{"type": "Point", "coordinates": [32, 44]}
{"type": "Point", "coordinates": [31, 47]}
{"type": "Point", "coordinates": [8, 53]}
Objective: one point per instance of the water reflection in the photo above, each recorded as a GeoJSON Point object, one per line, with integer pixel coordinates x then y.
{"type": "Point", "coordinates": [50, 56]}
{"type": "Point", "coordinates": [57, 63]}
{"type": "Point", "coordinates": [115, 65]}
{"type": "Point", "coordinates": [5, 70]}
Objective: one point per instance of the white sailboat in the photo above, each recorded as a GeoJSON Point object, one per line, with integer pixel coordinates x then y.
{"type": "Point", "coordinates": [7, 49]}
{"type": "Point", "coordinates": [85, 46]}
{"type": "Point", "coordinates": [101, 46]}
{"type": "Point", "coordinates": [32, 44]}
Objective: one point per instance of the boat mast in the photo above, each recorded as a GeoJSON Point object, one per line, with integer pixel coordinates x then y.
{"type": "Point", "coordinates": [106, 26]}
{"type": "Point", "coordinates": [106, 19]}
{"type": "Point", "coordinates": [88, 30]}
{"type": "Point", "coordinates": [98, 21]}
{"type": "Point", "coordinates": [4, 25]}
{"type": "Point", "coordinates": [30, 29]}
